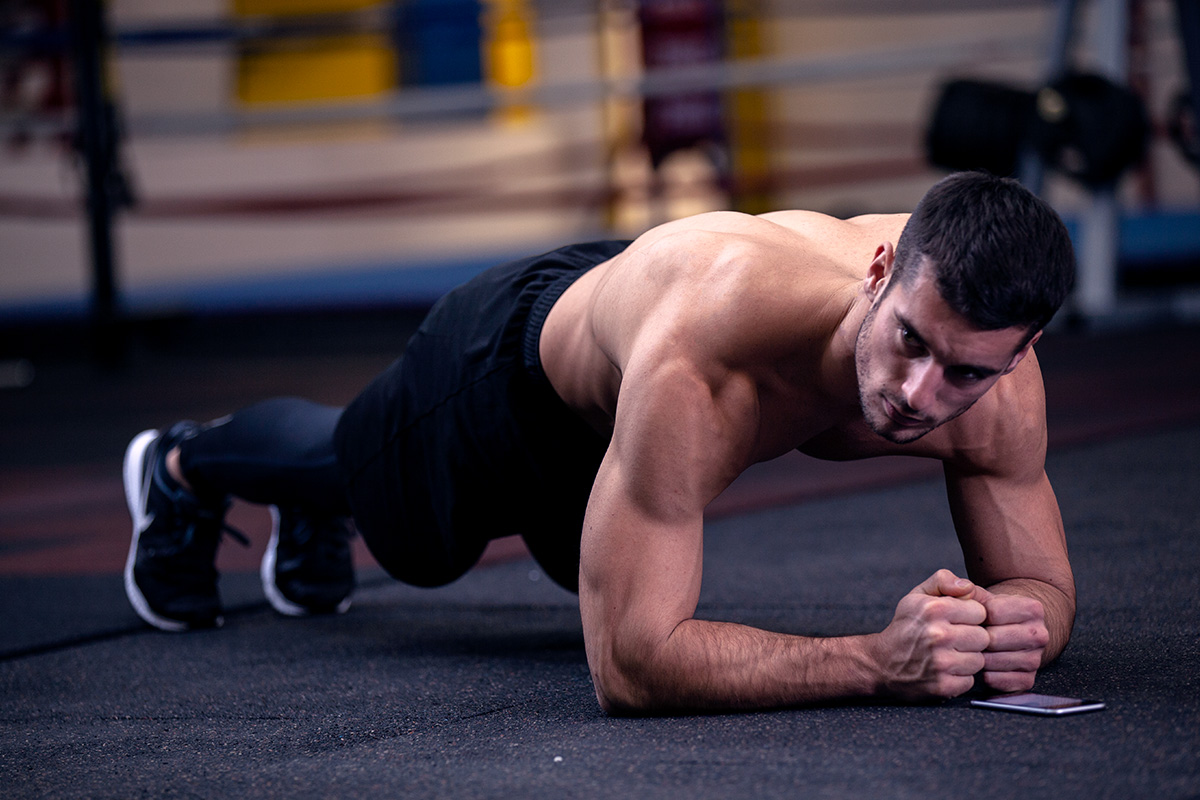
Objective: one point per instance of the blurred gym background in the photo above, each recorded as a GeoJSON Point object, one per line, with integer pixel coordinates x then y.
{"type": "Point", "coordinates": [165, 157]}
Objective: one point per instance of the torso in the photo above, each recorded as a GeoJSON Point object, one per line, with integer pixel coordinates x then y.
{"type": "Point", "coordinates": [764, 298]}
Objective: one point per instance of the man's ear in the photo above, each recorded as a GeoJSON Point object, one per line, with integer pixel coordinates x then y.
{"type": "Point", "coordinates": [1024, 351]}
{"type": "Point", "coordinates": [880, 271]}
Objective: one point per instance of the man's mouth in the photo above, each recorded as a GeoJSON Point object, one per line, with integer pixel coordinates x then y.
{"type": "Point", "coordinates": [899, 418]}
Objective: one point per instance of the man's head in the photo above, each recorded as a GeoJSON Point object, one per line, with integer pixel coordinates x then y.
{"type": "Point", "coordinates": [980, 268]}
{"type": "Point", "coordinates": [1000, 255]}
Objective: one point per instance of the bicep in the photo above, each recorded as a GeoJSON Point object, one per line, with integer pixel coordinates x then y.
{"type": "Point", "coordinates": [678, 440]}
{"type": "Point", "coordinates": [640, 571]}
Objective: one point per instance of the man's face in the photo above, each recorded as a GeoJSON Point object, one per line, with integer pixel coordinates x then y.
{"type": "Point", "coordinates": [920, 364]}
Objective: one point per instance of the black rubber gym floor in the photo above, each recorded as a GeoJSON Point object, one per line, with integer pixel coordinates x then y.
{"type": "Point", "coordinates": [481, 689]}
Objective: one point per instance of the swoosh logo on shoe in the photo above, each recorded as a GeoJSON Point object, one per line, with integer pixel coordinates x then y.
{"type": "Point", "coordinates": [146, 518]}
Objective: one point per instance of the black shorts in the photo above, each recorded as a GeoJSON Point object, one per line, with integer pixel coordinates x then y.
{"type": "Point", "coordinates": [463, 440]}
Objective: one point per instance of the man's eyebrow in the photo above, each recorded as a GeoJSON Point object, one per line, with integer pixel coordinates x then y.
{"type": "Point", "coordinates": [983, 371]}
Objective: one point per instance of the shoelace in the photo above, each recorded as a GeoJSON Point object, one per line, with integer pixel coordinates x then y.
{"type": "Point", "coordinates": [187, 504]}
{"type": "Point", "coordinates": [202, 514]}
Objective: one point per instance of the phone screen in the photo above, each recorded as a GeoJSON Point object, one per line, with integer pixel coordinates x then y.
{"type": "Point", "coordinates": [1030, 703]}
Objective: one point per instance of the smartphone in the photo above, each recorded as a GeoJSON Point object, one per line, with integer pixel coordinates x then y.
{"type": "Point", "coordinates": [1047, 704]}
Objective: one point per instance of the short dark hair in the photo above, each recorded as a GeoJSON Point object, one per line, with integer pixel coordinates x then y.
{"type": "Point", "coordinates": [1001, 256]}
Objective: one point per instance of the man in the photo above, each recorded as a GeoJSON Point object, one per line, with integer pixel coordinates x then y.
{"type": "Point", "coordinates": [597, 398]}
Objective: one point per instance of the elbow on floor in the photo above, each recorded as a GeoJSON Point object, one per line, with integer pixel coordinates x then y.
{"type": "Point", "coordinates": [620, 695]}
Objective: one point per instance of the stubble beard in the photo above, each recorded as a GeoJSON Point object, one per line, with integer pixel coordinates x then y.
{"type": "Point", "coordinates": [873, 416]}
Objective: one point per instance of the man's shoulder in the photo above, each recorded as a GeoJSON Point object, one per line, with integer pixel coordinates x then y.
{"type": "Point", "coordinates": [796, 247]}
{"type": "Point", "coordinates": [710, 235]}
{"type": "Point", "coordinates": [888, 226]}
{"type": "Point", "coordinates": [794, 227]}
{"type": "Point", "coordinates": [755, 284]}
{"type": "Point", "coordinates": [729, 294]}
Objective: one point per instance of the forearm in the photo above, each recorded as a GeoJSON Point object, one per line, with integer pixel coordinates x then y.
{"type": "Point", "coordinates": [1057, 603]}
{"type": "Point", "coordinates": [718, 666]}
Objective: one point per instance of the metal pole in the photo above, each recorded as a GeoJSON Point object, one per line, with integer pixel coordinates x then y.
{"type": "Point", "coordinates": [1031, 171]}
{"type": "Point", "coordinates": [1100, 231]}
{"type": "Point", "coordinates": [1188, 12]}
{"type": "Point", "coordinates": [97, 143]}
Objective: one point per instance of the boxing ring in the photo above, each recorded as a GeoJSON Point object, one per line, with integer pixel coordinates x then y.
{"type": "Point", "coordinates": [548, 149]}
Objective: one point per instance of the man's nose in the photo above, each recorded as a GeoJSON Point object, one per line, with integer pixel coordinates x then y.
{"type": "Point", "coordinates": [922, 384]}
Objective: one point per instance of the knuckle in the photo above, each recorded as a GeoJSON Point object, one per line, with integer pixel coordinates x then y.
{"type": "Point", "coordinates": [1040, 636]}
{"type": "Point", "coordinates": [926, 606]}
{"type": "Point", "coordinates": [1034, 610]}
{"type": "Point", "coordinates": [941, 661]}
{"type": "Point", "coordinates": [935, 635]}
{"type": "Point", "coordinates": [937, 608]}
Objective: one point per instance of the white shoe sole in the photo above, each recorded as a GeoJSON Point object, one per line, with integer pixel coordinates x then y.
{"type": "Point", "coordinates": [136, 493]}
{"type": "Point", "coordinates": [271, 589]}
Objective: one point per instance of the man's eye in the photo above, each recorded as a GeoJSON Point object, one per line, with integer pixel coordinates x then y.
{"type": "Point", "coordinates": [909, 338]}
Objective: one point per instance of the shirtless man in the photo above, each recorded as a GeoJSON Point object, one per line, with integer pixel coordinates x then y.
{"type": "Point", "coordinates": [597, 398]}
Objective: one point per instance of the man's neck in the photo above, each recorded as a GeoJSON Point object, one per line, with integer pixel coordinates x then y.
{"type": "Point", "coordinates": [839, 375]}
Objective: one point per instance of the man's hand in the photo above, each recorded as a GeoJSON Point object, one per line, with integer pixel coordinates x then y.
{"type": "Point", "coordinates": [948, 629]}
{"type": "Point", "coordinates": [935, 643]}
{"type": "Point", "coordinates": [1017, 639]}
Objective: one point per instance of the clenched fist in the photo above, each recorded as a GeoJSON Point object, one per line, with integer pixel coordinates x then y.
{"type": "Point", "coordinates": [1017, 639]}
{"type": "Point", "coordinates": [935, 643]}
{"type": "Point", "coordinates": [948, 630]}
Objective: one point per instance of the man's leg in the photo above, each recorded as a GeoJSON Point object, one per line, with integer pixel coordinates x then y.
{"type": "Point", "coordinates": [178, 485]}
{"type": "Point", "coordinates": [277, 452]}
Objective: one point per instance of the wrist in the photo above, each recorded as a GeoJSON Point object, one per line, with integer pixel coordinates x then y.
{"type": "Point", "coordinates": [865, 671]}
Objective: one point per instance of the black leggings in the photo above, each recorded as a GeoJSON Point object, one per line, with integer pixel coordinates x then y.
{"type": "Point", "coordinates": [278, 452]}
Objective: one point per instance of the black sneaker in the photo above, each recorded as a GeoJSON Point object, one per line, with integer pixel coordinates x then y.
{"type": "Point", "coordinates": [170, 575]}
{"type": "Point", "coordinates": [308, 568]}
